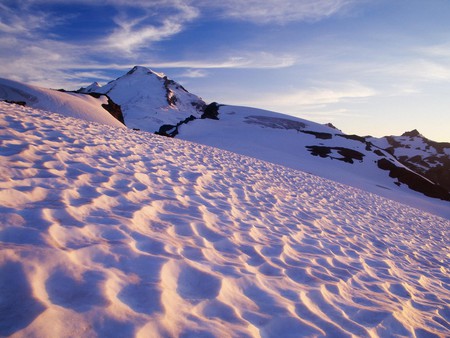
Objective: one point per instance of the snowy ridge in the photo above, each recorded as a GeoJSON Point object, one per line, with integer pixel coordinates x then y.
{"type": "Point", "coordinates": [318, 149]}
{"type": "Point", "coordinates": [429, 158]}
{"type": "Point", "coordinates": [80, 106]}
{"type": "Point", "coordinates": [109, 232]}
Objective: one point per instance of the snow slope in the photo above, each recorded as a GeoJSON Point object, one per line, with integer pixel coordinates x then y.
{"type": "Point", "coordinates": [293, 142]}
{"type": "Point", "coordinates": [75, 105]}
{"type": "Point", "coordinates": [150, 100]}
{"type": "Point", "coordinates": [110, 232]}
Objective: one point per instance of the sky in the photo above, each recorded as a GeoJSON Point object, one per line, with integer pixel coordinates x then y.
{"type": "Point", "coordinates": [370, 67]}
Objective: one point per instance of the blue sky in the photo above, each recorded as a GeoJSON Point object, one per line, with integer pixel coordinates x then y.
{"type": "Point", "coordinates": [376, 67]}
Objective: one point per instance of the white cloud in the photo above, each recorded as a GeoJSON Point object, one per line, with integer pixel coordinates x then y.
{"type": "Point", "coordinates": [194, 73]}
{"type": "Point", "coordinates": [315, 97]}
{"type": "Point", "coordinates": [325, 116]}
{"type": "Point", "coordinates": [279, 11]}
{"type": "Point", "coordinates": [440, 50]}
{"type": "Point", "coordinates": [128, 37]}
{"type": "Point", "coordinates": [132, 33]}
{"type": "Point", "coordinates": [243, 60]}
{"type": "Point", "coordinates": [25, 23]}
{"type": "Point", "coordinates": [413, 71]}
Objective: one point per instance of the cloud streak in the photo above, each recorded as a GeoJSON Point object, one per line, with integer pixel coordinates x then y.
{"type": "Point", "coordinates": [279, 11]}
{"type": "Point", "coordinates": [243, 60]}
{"type": "Point", "coordinates": [315, 97]}
{"type": "Point", "coordinates": [132, 33]}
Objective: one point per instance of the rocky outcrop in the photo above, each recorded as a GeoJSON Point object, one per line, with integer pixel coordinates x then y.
{"type": "Point", "coordinates": [413, 180]}
{"type": "Point", "coordinates": [431, 159]}
{"type": "Point", "coordinates": [20, 103]}
{"type": "Point", "coordinates": [111, 107]}
{"type": "Point", "coordinates": [211, 111]}
{"type": "Point", "coordinates": [170, 130]}
{"type": "Point", "coordinates": [318, 135]}
{"type": "Point", "coordinates": [346, 154]}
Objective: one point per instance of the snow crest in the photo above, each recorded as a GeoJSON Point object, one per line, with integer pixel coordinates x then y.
{"type": "Point", "coordinates": [69, 104]}
{"type": "Point", "coordinates": [110, 232]}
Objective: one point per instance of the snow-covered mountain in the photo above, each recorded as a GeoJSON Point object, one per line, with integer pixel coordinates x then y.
{"type": "Point", "coordinates": [109, 232]}
{"type": "Point", "coordinates": [97, 108]}
{"type": "Point", "coordinates": [314, 148]}
{"type": "Point", "coordinates": [429, 158]}
{"type": "Point", "coordinates": [150, 100]}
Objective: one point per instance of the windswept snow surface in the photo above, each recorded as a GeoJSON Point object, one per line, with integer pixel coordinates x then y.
{"type": "Point", "coordinates": [109, 232]}
{"type": "Point", "coordinates": [80, 106]}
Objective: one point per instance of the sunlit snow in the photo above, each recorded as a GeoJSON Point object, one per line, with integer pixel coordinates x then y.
{"type": "Point", "coordinates": [111, 232]}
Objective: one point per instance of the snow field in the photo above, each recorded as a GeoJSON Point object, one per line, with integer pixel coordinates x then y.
{"type": "Point", "coordinates": [110, 232]}
{"type": "Point", "coordinates": [255, 132]}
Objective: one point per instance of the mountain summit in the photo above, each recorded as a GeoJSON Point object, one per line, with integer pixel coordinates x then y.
{"type": "Point", "coordinates": [149, 99]}
{"type": "Point", "coordinates": [412, 133]}
{"type": "Point", "coordinates": [422, 155]}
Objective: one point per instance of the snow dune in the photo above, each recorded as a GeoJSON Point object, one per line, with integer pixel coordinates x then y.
{"type": "Point", "coordinates": [80, 106]}
{"type": "Point", "coordinates": [109, 232]}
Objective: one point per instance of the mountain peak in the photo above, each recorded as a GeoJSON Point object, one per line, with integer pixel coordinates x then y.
{"type": "Point", "coordinates": [143, 70]}
{"type": "Point", "coordinates": [412, 133]}
{"type": "Point", "coordinates": [92, 88]}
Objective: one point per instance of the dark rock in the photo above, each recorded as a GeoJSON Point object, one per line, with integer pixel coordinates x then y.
{"type": "Point", "coordinates": [211, 111]}
{"type": "Point", "coordinates": [353, 137]}
{"type": "Point", "coordinates": [170, 96]}
{"type": "Point", "coordinates": [111, 107]}
{"type": "Point", "coordinates": [322, 136]}
{"type": "Point", "coordinates": [20, 103]}
{"type": "Point", "coordinates": [331, 126]}
{"type": "Point", "coordinates": [321, 151]}
{"type": "Point", "coordinates": [171, 130]}
{"type": "Point", "coordinates": [379, 153]}
{"type": "Point", "coordinates": [168, 130]}
{"type": "Point", "coordinates": [414, 181]}
{"type": "Point", "coordinates": [412, 133]}
{"type": "Point", "coordinates": [348, 155]}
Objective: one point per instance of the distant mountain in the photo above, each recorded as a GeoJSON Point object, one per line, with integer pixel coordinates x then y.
{"type": "Point", "coordinates": [429, 158]}
{"type": "Point", "coordinates": [150, 100]}
{"type": "Point", "coordinates": [95, 108]}
{"type": "Point", "coordinates": [93, 88]}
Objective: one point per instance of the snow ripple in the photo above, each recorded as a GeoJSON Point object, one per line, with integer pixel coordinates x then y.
{"type": "Point", "coordinates": [108, 232]}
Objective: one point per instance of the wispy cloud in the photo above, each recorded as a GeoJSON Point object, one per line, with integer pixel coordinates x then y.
{"type": "Point", "coordinates": [193, 73]}
{"type": "Point", "coordinates": [412, 71]}
{"type": "Point", "coordinates": [128, 37]}
{"type": "Point", "coordinates": [240, 60]}
{"type": "Point", "coordinates": [133, 33]}
{"type": "Point", "coordinates": [315, 97]}
{"type": "Point", "coordinates": [279, 11]}
{"type": "Point", "coordinates": [438, 50]}
{"type": "Point", "coordinates": [23, 22]}
{"type": "Point", "coordinates": [327, 115]}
